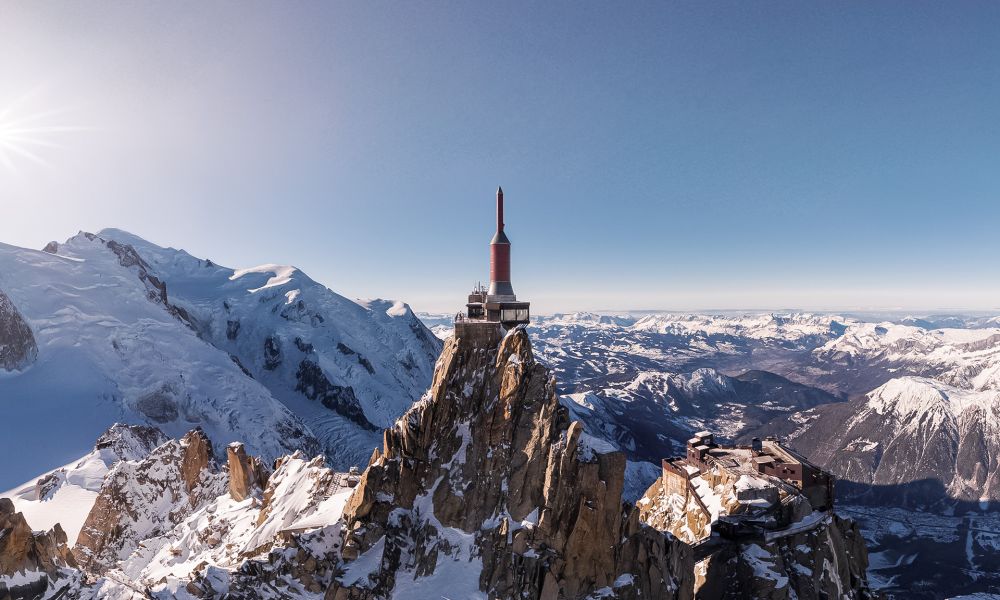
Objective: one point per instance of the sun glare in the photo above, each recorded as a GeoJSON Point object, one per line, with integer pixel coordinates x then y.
{"type": "Point", "coordinates": [26, 135]}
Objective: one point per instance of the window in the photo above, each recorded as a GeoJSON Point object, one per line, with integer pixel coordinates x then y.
{"type": "Point", "coordinates": [514, 314]}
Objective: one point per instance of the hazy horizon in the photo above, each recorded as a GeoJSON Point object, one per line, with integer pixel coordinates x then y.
{"type": "Point", "coordinates": [540, 309]}
{"type": "Point", "coordinates": [831, 157]}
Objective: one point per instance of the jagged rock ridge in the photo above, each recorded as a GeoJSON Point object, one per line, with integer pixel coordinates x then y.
{"type": "Point", "coordinates": [172, 514]}
{"type": "Point", "coordinates": [486, 484]}
{"type": "Point", "coordinates": [143, 499]}
{"type": "Point", "coordinates": [35, 559]}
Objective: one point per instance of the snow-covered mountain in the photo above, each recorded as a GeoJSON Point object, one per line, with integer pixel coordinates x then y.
{"type": "Point", "coordinates": [844, 355]}
{"type": "Point", "coordinates": [347, 368]}
{"type": "Point", "coordinates": [785, 329]}
{"type": "Point", "coordinates": [109, 328]}
{"type": "Point", "coordinates": [587, 349]}
{"type": "Point", "coordinates": [967, 358]}
{"type": "Point", "coordinates": [915, 440]}
{"type": "Point", "coordinates": [109, 348]}
{"type": "Point", "coordinates": [917, 461]}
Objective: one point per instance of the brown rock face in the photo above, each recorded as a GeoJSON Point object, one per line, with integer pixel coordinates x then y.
{"type": "Point", "coordinates": [144, 498]}
{"type": "Point", "coordinates": [487, 469]}
{"type": "Point", "coordinates": [679, 516]}
{"type": "Point", "coordinates": [197, 454]}
{"type": "Point", "coordinates": [826, 560]}
{"type": "Point", "coordinates": [246, 473]}
{"type": "Point", "coordinates": [17, 344]}
{"type": "Point", "coordinates": [23, 550]}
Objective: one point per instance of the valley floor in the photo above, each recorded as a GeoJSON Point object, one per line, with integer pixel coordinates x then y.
{"type": "Point", "coordinates": [915, 554]}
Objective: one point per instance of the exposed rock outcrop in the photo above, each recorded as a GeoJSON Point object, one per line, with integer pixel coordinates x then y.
{"type": "Point", "coordinates": [819, 556]}
{"type": "Point", "coordinates": [23, 550]}
{"type": "Point", "coordinates": [247, 474]}
{"type": "Point", "coordinates": [486, 485]}
{"type": "Point", "coordinates": [17, 344]}
{"type": "Point", "coordinates": [144, 498]}
{"type": "Point", "coordinates": [156, 289]}
{"type": "Point", "coordinates": [313, 383]}
{"type": "Point", "coordinates": [196, 454]}
{"type": "Point", "coordinates": [681, 516]}
{"type": "Point", "coordinates": [130, 442]}
{"type": "Point", "coordinates": [34, 559]}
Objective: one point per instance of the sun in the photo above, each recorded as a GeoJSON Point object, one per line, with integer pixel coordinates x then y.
{"type": "Point", "coordinates": [26, 135]}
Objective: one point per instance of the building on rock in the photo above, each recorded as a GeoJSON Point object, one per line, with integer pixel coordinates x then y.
{"type": "Point", "coordinates": [764, 487]}
{"type": "Point", "coordinates": [760, 521]}
{"type": "Point", "coordinates": [488, 309]}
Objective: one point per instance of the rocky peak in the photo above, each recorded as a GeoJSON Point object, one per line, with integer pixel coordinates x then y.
{"type": "Point", "coordinates": [196, 456]}
{"type": "Point", "coordinates": [247, 474]}
{"type": "Point", "coordinates": [487, 485]}
{"type": "Point", "coordinates": [33, 558]}
{"type": "Point", "coordinates": [22, 549]}
{"type": "Point", "coordinates": [143, 498]}
{"type": "Point", "coordinates": [119, 442]}
{"type": "Point", "coordinates": [130, 442]}
{"type": "Point", "coordinates": [17, 343]}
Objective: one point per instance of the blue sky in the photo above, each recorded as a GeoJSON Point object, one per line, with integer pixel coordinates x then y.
{"type": "Point", "coordinates": [663, 155]}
